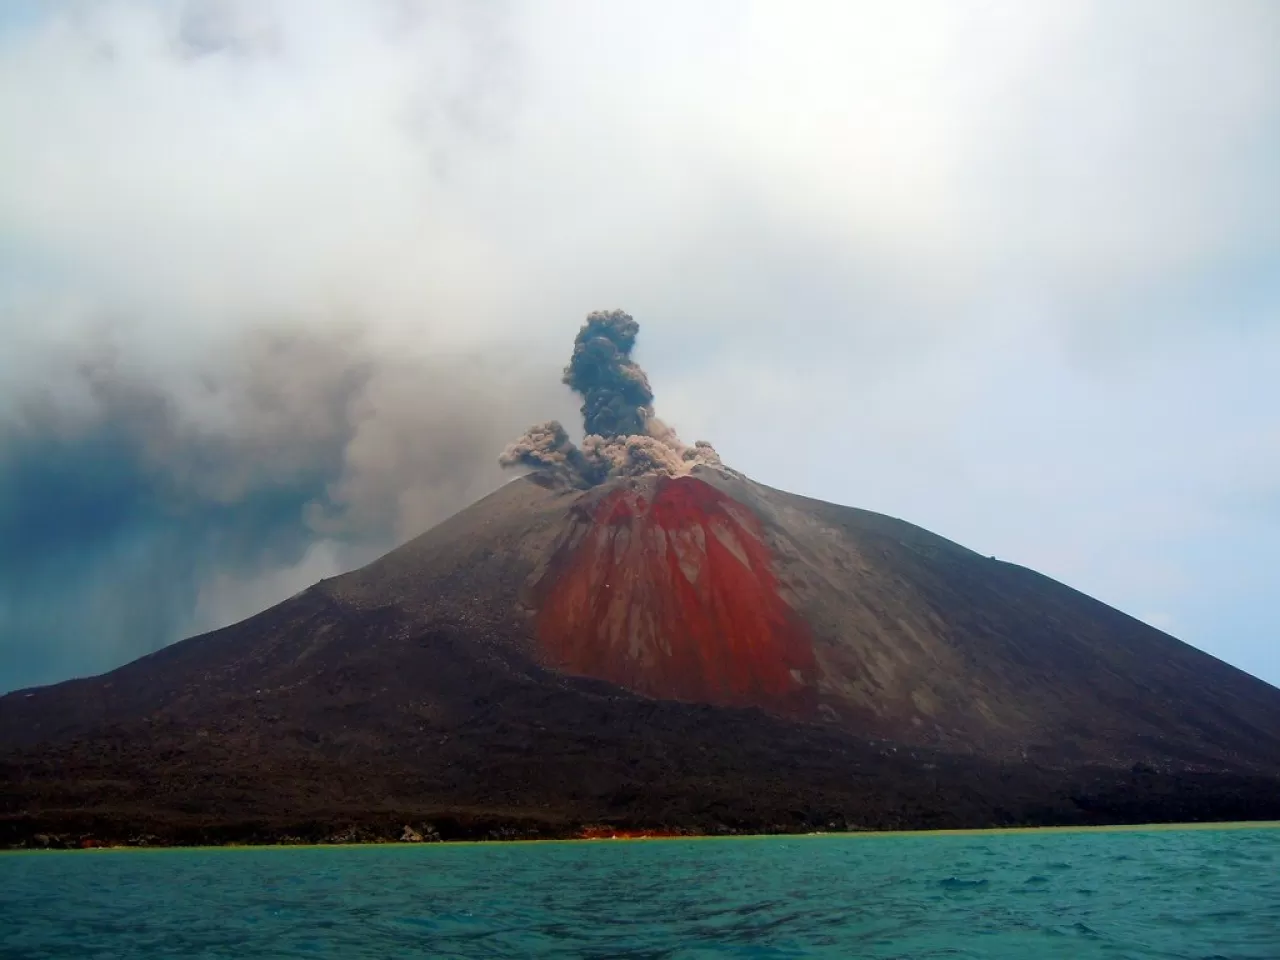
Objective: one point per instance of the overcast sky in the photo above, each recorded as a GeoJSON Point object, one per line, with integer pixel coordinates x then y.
{"type": "Point", "coordinates": [278, 280]}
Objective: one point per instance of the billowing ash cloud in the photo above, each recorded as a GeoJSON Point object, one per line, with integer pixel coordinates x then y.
{"type": "Point", "coordinates": [623, 437]}
{"type": "Point", "coordinates": [616, 398]}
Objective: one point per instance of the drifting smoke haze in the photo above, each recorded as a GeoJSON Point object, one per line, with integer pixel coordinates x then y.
{"type": "Point", "coordinates": [137, 507]}
{"type": "Point", "coordinates": [623, 437]}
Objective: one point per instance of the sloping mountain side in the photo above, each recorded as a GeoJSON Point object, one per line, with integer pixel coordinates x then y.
{"type": "Point", "coordinates": [688, 653]}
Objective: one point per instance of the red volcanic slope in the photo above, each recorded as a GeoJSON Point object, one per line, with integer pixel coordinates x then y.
{"type": "Point", "coordinates": [675, 597]}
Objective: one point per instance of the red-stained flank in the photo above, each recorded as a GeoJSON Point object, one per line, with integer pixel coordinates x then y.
{"type": "Point", "coordinates": [675, 598]}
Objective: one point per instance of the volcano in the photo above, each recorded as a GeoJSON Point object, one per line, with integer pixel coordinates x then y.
{"type": "Point", "coordinates": [633, 637]}
{"type": "Point", "coordinates": [696, 653]}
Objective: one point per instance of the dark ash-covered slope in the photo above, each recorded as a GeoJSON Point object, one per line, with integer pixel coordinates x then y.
{"type": "Point", "coordinates": [695, 652]}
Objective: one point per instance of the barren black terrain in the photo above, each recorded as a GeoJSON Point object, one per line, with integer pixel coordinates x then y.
{"type": "Point", "coordinates": [695, 653]}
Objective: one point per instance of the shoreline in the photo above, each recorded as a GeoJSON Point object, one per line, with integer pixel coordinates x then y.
{"type": "Point", "coordinates": [640, 836]}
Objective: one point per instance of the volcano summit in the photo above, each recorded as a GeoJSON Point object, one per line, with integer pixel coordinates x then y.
{"type": "Point", "coordinates": [633, 636]}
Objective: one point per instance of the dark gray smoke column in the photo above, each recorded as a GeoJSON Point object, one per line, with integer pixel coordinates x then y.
{"type": "Point", "coordinates": [623, 437]}
{"type": "Point", "coordinates": [616, 399]}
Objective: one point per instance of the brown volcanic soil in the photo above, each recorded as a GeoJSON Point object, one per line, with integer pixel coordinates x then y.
{"type": "Point", "coordinates": [528, 667]}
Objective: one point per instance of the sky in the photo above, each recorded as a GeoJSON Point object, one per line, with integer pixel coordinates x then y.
{"type": "Point", "coordinates": [279, 280]}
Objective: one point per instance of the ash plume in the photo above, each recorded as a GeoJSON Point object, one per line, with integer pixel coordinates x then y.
{"type": "Point", "coordinates": [623, 436]}
{"type": "Point", "coordinates": [616, 398]}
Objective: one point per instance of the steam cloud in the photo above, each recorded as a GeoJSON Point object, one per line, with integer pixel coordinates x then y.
{"type": "Point", "coordinates": [623, 436]}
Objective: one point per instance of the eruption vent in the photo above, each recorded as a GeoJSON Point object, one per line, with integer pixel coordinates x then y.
{"type": "Point", "coordinates": [623, 437]}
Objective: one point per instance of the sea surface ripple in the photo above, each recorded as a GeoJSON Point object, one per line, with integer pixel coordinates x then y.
{"type": "Point", "coordinates": [1128, 894]}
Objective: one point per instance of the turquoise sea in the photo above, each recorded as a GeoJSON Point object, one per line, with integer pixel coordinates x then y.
{"type": "Point", "coordinates": [1204, 893]}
